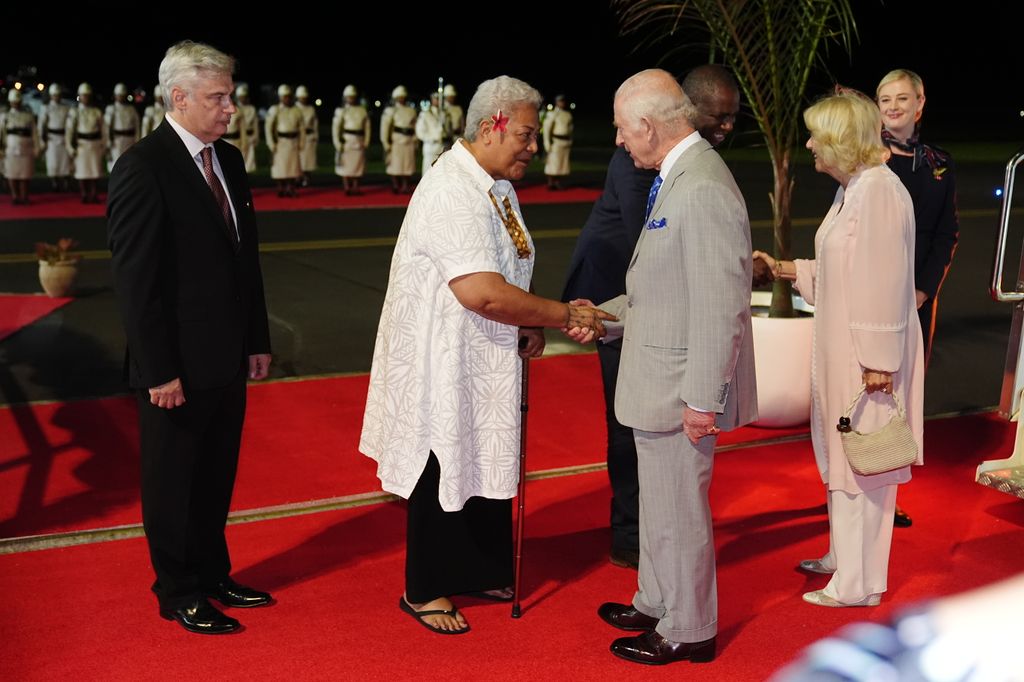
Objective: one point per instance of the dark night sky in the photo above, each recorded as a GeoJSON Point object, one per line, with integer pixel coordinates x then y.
{"type": "Point", "coordinates": [971, 72]}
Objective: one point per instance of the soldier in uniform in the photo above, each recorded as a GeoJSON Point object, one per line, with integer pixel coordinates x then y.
{"type": "Point", "coordinates": [250, 121]}
{"type": "Point", "coordinates": [456, 115]}
{"type": "Point", "coordinates": [307, 159]}
{"type": "Point", "coordinates": [154, 113]}
{"type": "Point", "coordinates": [85, 136]}
{"type": "Point", "coordinates": [557, 142]}
{"type": "Point", "coordinates": [398, 136]}
{"type": "Point", "coordinates": [432, 127]}
{"type": "Point", "coordinates": [286, 137]}
{"type": "Point", "coordinates": [52, 118]}
{"type": "Point", "coordinates": [350, 132]}
{"type": "Point", "coordinates": [122, 123]}
{"type": "Point", "coordinates": [19, 139]}
{"type": "Point", "coordinates": [237, 134]}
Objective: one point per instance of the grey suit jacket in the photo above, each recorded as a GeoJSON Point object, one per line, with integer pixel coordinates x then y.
{"type": "Point", "coordinates": [685, 317]}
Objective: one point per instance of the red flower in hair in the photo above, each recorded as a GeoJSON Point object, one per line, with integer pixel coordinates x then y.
{"type": "Point", "coordinates": [500, 122]}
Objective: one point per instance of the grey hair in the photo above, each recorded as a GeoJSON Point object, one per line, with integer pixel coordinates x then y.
{"type": "Point", "coordinates": [502, 93]}
{"type": "Point", "coordinates": [187, 62]}
{"type": "Point", "coordinates": [654, 94]}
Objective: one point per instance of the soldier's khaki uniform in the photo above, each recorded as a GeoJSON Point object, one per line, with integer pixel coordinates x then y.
{"type": "Point", "coordinates": [124, 127]}
{"type": "Point", "coordinates": [19, 138]}
{"type": "Point", "coordinates": [557, 141]}
{"type": "Point", "coordinates": [398, 135]}
{"type": "Point", "coordinates": [85, 136]}
{"type": "Point", "coordinates": [350, 132]}
{"type": "Point", "coordinates": [311, 127]}
{"type": "Point", "coordinates": [52, 118]}
{"type": "Point", "coordinates": [286, 137]}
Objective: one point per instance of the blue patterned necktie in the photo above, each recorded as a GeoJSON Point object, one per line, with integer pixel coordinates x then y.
{"type": "Point", "coordinates": [653, 195]}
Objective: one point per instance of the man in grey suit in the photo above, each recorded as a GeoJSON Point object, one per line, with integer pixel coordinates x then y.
{"type": "Point", "coordinates": [687, 366]}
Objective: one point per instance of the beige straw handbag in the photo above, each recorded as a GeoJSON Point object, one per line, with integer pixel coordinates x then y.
{"type": "Point", "coordinates": [891, 447]}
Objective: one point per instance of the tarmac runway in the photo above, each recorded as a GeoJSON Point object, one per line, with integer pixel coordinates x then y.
{"type": "Point", "coordinates": [325, 287]}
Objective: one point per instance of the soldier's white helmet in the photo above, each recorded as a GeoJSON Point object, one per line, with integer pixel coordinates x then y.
{"type": "Point", "coordinates": [284, 89]}
{"type": "Point", "coordinates": [158, 93]}
{"type": "Point", "coordinates": [349, 91]}
{"type": "Point", "coordinates": [14, 96]}
{"type": "Point", "coordinates": [55, 89]}
{"type": "Point", "coordinates": [449, 90]}
{"type": "Point", "coordinates": [302, 91]}
{"type": "Point", "coordinates": [400, 91]}
{"type": "Point", "coordinates": [242, 90]}
{"type": "Point", "coordinates": [84, 89]}
{"type": "Point", "coordinates": [120, 89]}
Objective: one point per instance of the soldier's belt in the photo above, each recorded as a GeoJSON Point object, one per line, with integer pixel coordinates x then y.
{"type": "Point", "coordinates": [20, 131]}
{"type": "Point", "coordinates": [231, 136]}
{"type": "Point", "coordinates": [55, 131]}
{"type": "Point", "coordinates": [310, 131]}
{"type": "Point", "coordinates": [562, 137]}
{"type": "Point", "coordinates": [123, 133]}
{"type": "Point", "coordinates": [288, 136]}
{"type": "Point", "coordinates": [352, 132]}
{"type": "Point", "coordinates": [87, 136]}
{"type": "Point", "coordinates": [404, 131]}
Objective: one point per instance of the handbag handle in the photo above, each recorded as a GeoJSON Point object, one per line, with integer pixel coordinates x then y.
{"type": "Point", "coordinates": [844, 422]}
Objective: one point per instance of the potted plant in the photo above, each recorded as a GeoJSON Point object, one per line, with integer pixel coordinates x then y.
{"type": "Point", "coordinates": [771, 47]}
{"type": "Point", "coordinates": [58, 266]}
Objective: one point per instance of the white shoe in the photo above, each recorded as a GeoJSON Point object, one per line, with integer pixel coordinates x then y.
{"type": "Point", "coordinates": [821, 599]}
{"type": "Point", "coordinates": [815, 566]}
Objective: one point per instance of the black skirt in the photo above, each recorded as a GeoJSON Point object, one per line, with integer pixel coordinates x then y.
{"type": "Point", "coordinates": [449, 553]}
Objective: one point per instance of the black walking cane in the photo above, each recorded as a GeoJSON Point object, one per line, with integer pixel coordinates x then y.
{"type": "Point", "coordinates": [523, 407]}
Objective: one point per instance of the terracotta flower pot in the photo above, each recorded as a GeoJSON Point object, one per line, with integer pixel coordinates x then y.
{"type": "Point", "coordinates": [57, 278]}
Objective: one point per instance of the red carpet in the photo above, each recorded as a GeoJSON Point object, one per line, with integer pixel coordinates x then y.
{"type": "Point", "coordinates": [17, 311]}
{"type": "Point", "coordinates": [86, 613]}
{"type": "Point", "coordinates": [68, 205]}
{"type": "Point", "coordinates": [73, 466]}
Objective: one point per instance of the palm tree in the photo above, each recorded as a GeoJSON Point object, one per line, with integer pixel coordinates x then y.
{"type": "Point", "coordinates": [771, 46]}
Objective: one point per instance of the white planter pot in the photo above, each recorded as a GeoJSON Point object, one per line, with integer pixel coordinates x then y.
{"type": "Point", "coordinates": [782, 359]}
{"type": "Point", "coordinates": [57, 278]}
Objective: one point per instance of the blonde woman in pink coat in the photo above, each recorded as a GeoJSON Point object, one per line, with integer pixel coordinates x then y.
{"type": "Point", "coordinates": [861, 283]}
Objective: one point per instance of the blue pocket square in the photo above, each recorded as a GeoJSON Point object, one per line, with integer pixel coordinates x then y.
{"type": "Point", "coordinates": [657, 224]}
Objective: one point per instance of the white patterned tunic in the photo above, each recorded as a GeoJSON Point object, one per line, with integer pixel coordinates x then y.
{"type": "Point", "coordinates": [443, 377]}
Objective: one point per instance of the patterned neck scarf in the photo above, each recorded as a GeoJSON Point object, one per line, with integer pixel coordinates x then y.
{"type": "Point", "coordinates": [922, 153]}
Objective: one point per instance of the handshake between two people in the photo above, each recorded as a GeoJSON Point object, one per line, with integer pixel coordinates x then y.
{"type": "Point", "coordinates": [586, 321]}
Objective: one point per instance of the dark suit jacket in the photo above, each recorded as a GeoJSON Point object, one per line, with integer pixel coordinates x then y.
{"type": "Point", "coordinates": [192, 306]}
{"type": "Point", "coordinates": [597, 269]}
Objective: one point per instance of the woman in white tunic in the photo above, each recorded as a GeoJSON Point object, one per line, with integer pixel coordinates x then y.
{"type": "Point", "coordinates": [861, 283]}
{"type": "Point", "coordinates": [442, 413]}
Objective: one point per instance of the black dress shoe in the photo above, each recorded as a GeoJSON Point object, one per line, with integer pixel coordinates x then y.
{"type": "Point", "coordinates": [651, 648]}
{"type": "Point", "coordinates": [625, 617]}
{"type": "Point", "coordinates": [201, 617]}
{"type": "Point", "coordinates": [230, 593]}
{"type": "Point", "coordinates": [902, 519]}
{"type": "Point", "coordinates": [625, 558]}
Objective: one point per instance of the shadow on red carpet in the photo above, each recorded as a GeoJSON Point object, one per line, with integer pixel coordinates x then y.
{"type": "Point", "coordinates": [18, 310]}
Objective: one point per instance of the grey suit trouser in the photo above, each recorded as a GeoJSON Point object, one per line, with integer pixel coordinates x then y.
{"type": "Point", "coordinates": [677, 581]}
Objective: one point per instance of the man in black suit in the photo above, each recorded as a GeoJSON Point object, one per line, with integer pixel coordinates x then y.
{"type": "Point", "coordinates": [597, 272]}
{"type": "Point", "coordinates": [182, 232]}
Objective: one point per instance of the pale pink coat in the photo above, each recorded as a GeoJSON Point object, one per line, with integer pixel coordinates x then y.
{"type": "Point", "coordinates": [862, 286]}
